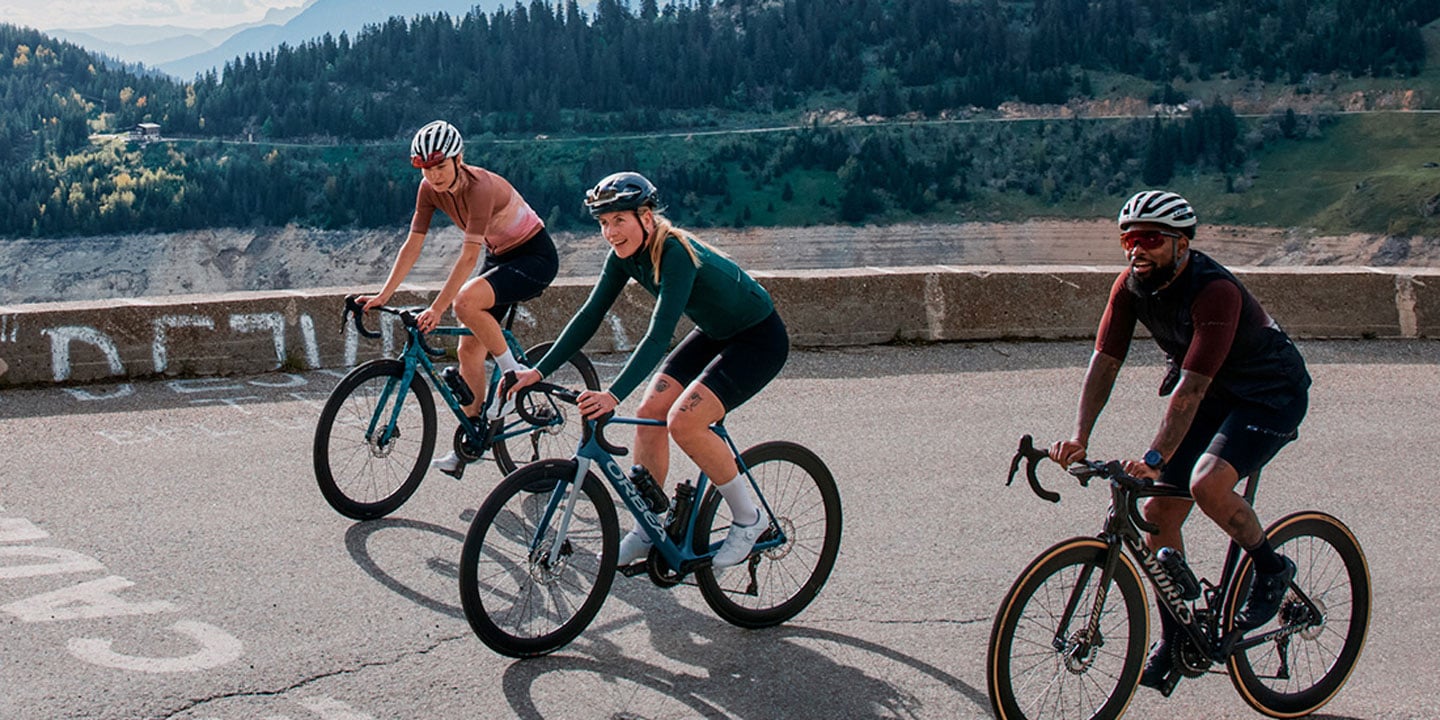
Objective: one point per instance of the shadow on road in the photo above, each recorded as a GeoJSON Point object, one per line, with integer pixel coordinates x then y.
{"type": "Point", "coordinates": [786, 671]}
{"type": "Point", "coordinates": [423, 558]}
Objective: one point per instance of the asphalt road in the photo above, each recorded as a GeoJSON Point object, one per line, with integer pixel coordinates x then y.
{"type": "Point", "coordinates": [164, 552]}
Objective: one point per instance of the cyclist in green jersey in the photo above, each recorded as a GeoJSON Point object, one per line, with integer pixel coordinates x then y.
{"type": "Point", "coordinates": [738, 345]}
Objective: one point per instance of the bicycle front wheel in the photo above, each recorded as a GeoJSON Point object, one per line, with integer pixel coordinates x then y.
{"type": "Point", "coordinates": [1297, 674]}
{"type": "Point", "coordinates": [560, 435]}
{"type": "Point", "coordinates": [774, 585]}
{"type": "Point", "coordinates": [1044, 661]}
{"type": "Point", "coordinates": [366, 467]}
{"type": "Point", "coordinates": [524, 593]}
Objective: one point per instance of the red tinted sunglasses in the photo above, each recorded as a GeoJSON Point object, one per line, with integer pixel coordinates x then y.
{"type": "Point", "coordinates": [429, 161]}
{"type": "Point", "coordinates": [1146, 239]}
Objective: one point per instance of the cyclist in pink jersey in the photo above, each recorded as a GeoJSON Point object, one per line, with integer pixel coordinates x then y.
{"type": "Point", "coordinates": [519, 259]}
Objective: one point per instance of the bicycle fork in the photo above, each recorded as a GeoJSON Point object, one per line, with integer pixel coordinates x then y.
{"type": "Point", "coordinates": [1079, 648]}
{"type": "Point", "coordinates": [549, 557]}
{"type": "Point", "coordinates": [384, 426]}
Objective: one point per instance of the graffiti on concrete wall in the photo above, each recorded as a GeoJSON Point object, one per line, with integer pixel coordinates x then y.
{"type": "Point", "coordinates": [64, 339]}
{"type": "Point", "coordinates": [178, 343]}
{"type": "Point", "coordinates": [61, 338]}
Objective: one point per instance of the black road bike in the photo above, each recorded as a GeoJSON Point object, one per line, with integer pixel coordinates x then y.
{"type": "Point", "coordinates": [1070, 638]}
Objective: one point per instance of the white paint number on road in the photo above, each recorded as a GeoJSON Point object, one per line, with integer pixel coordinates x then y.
{"type": "Point", "coordinates": [93, 599]}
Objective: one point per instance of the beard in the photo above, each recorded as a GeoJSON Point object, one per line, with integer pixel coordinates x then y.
{"type": "Point", "coordinates": [1153, 282]}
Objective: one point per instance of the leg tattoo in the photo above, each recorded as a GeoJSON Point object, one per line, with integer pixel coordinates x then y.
{"type": "Point", "coordinates": [691, 402]}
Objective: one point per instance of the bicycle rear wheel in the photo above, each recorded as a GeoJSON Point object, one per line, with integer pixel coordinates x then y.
{"type": "Point", "coordinates": [774, 585]}
{"type": "Point", "coordinates": [1298, 674]}
{"type": "Point", "coordinates": [559, 437]}
{"type": "Point", "coordinates": [521, 600]}
{"type": "Point", "coordinates": [1043, 662]}
{"type": "Point", "coordinates": [365, 475]}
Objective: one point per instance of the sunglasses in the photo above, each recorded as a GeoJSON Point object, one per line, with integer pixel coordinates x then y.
{"type": "Point", "coordinates": [593, 197]}
{"type": "Point", "coordinates": [429, 161]}
{"type": "Point", "coordinates": [599, 198]}
{"type": "Point", "coordinates": [1146, 239]}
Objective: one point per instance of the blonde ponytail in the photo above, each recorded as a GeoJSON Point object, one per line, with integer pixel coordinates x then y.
{"type": "Point", "coordinates": [664, 229]}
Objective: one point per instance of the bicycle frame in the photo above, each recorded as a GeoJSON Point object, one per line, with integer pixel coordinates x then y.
{"type": "Point", "coordinates": [1122, 533]}
{"type": "Point", "coordinates": [1085, 599]}
{"type": "Point", "coordinates": [417, 357]}
{"type": "Point", "coordinates": [678, 555]}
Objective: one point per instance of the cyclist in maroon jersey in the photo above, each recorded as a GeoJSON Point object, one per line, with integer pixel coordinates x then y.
{"type": "Point", "coordinates": [519, 256]}
{"type": "Point", "coordinates": [1238, 390]}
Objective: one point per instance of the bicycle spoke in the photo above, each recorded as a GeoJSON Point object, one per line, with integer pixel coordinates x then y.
{"type": "Point", "coordinates": [360, 476]}
{"type": "Point", "coordinates": [522, 601]}
{"type": "Point", "coordinates": [1083, 678]}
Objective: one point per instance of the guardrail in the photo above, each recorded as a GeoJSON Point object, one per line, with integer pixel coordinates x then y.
{"type": "Point", "coordinates": [255, 332]}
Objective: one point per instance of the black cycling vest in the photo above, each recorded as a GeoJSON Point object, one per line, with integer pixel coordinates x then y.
{"type": "Point", "coordinates": [1263, 365]}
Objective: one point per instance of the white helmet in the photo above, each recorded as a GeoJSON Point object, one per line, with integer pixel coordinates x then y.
{"type": "Point", "coordinates": [435, 143]}
{"type": "Point", "coordinates": [1157, 206]}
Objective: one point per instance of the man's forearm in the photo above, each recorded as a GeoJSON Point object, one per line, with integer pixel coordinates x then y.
{"type": "Point", "coordinates": [1094, 393]}
{"type": "Point", "coordinates": [1180, 412]}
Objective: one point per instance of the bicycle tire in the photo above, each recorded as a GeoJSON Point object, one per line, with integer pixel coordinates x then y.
{"type": "Point", "coordinates": [774, 585]}
{"type": "Point", "coordinates": [1097, 684]}
{"type": "Point", "coordinates": [361, 479]}
{"type": "Point", "coordinates": [1333, 572]}
{"type": "Point", "coordinates": [515, 605]}
{"type": "Point", "coordinates": [555, 441]}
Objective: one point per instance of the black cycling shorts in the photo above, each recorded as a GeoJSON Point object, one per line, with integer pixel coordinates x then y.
{"type": "Point", "coordinates": [522, 273]}
{"type": "Point", "coordinates": [734, 368]}
{"type": "Point", "coordinates": [1246, 436]}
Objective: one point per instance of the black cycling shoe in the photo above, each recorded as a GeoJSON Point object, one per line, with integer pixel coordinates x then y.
{"type": "Point", "coordinates": [1158, 666]}
{"type": "Point", "coordinates": [1266, 593]}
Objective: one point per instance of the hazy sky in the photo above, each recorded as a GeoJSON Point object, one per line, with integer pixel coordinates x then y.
{"type": "Point", "coordinates": [79, 14]}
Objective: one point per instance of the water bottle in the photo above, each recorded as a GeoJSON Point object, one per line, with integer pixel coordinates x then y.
{"type": "Point", "coordinates": [649, 489]}
{"type": "Point", "coordinates": [458, 388]}
{"type": "Point", "coordinates": [680, 518]}
{"type": "Point", "coordinates": [1179, 572]}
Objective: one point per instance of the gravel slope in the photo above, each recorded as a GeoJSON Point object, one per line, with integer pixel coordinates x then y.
{"type": "Point", "coordinates": [224, 260]}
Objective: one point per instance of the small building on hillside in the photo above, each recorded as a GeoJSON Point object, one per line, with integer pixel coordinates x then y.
{"type": "Point", "coordinates": [145, 133]}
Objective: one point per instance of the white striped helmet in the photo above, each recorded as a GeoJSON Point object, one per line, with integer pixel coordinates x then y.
{"type": "Point", "coordinates": [435, 143]}
{"type": "Point", "coordinates": [1157, 206]}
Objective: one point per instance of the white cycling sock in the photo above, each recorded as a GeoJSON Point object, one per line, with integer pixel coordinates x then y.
{"type": "Point", "coordinates": [507, 363]}
{"type": "Point", "coordinates": [742, 507]}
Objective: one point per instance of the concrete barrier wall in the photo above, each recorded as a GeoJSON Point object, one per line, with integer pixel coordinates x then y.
{"type": "Point", "coordinates": [66, 343]}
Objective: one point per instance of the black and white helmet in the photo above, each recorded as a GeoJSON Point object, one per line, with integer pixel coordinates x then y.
{"type": "Point", "coordinates": [621, 191]}
{"type": "Point", "coordinates": [434, 144]}
{"type": "Point", "coordinates": [1157, 206]}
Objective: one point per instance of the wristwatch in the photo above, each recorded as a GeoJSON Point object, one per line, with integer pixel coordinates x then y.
{"type": "Point", "coordinates": [1154, 459]}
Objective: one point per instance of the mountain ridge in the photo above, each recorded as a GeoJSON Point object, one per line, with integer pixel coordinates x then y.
{"type": "Point", "coordinates": [154, 45]}
{"type": "Point", "coordinates": [317, 19]}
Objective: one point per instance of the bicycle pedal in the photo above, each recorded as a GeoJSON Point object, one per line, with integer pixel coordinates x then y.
{"type": "Point", "coordinates": [633, 569]}
{"type": "Point", "coordinates": [1167, 686]}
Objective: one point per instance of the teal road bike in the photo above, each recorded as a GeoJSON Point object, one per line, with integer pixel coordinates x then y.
{"type": "Point", "coordinates": [377, 432]}
{"type": "Point", "coordinates": [540, 554]}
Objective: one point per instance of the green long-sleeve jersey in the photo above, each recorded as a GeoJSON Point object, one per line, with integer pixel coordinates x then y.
{"type": "Point", "coordinates": [719, 297]}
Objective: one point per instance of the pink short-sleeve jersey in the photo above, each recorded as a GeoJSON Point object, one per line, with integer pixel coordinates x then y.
{"type": "Point", "coordinates": [487, 208]}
